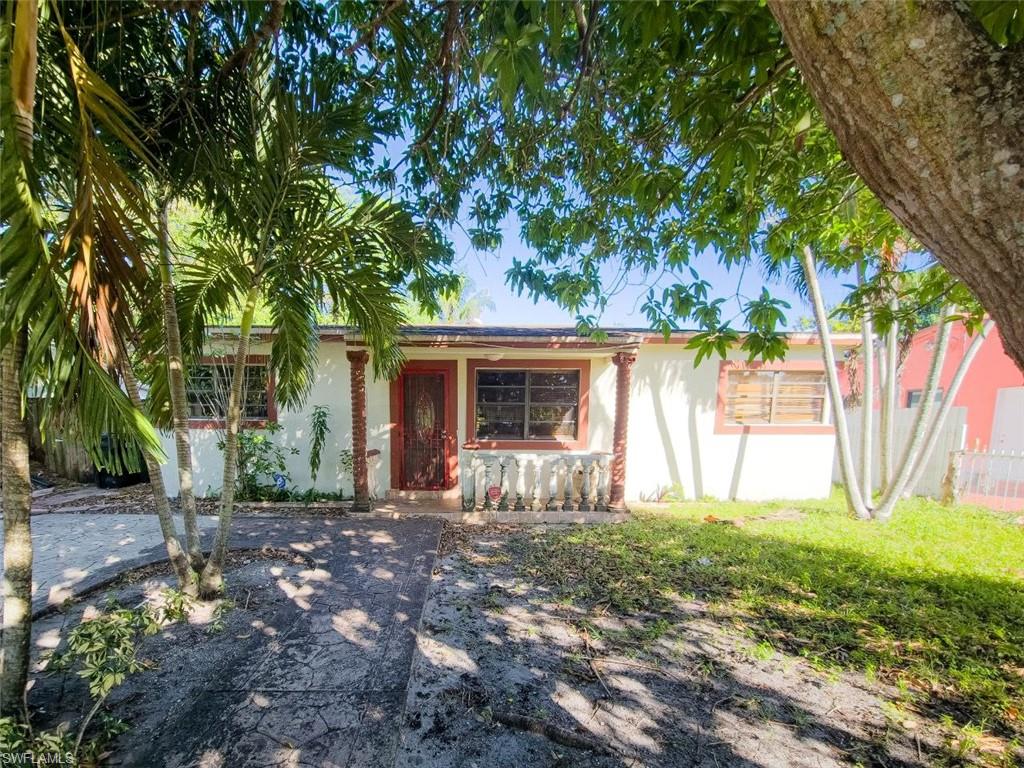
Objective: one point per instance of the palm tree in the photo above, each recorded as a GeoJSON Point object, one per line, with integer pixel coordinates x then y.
{"type": "Point", "coordinates": [462, 304]}
{"type": "Point", "coordinates": [282, 235]}
{"type": "Point", "coordinates": [71, 267]}
{"type": "Point", "coordinates": [189, 110]}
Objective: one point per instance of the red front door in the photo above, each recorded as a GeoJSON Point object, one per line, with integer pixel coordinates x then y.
{"type": "Point", "coordinates": [424, 438]}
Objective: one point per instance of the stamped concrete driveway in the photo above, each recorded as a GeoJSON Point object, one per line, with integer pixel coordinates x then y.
{"type": "Point", "coordinates": [74, 552]}
{"type": "Point", "coordinates": [323, 682]}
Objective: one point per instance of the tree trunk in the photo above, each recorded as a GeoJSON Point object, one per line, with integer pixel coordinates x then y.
{"type": "Point", "coordinates": [867, 401]}
{"type": "Point", "coordinates": [908, 458]}
{"type": "Point", "coordinates": [17, 565]}
{"type": "Point", "coordinates": [887, 429]}
{"type": "Point", "coordinates": [212, 581]}
{"type": "Point", "coordinates": [15, 474]}
{"type": "Point", "coordinates": [930, 112]}
{"type": "Point", "coordinates": [947, 404]}
{"type": "Point", "coordinates": [179, 401]}
{"type": "Point", "coordinates": [179, 561]}
{"type": "Point", "coordinates": [854, 498]}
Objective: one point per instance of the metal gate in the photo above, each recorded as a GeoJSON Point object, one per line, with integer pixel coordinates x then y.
{"type": "Point", "coordinates": [424, 439]}
{"type": "Point", "coordinates": [993, 479]}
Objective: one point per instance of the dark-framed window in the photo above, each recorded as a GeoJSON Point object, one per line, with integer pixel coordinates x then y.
{"type": "Point", "coordinates": [209, 386]}
{"type": "Point", "coordinates": [775, 397]}
{"type": "Point", "coordinates": [524, 404]}
{"type": "Point", "coordinates": [914, 397]}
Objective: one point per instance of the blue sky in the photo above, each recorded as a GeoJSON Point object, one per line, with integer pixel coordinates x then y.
{"type": "Point", "coordinates": [487, 271]}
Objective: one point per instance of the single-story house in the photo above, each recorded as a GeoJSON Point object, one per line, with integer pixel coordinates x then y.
{"type": "Point", "coordinates": [506, 415]}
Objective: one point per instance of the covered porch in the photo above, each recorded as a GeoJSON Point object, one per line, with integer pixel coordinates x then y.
{"type": "Point", "coordinates": [535, 424]}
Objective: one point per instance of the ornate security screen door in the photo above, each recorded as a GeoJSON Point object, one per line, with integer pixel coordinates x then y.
{"type": "Point", "coordinates": [424, 440]}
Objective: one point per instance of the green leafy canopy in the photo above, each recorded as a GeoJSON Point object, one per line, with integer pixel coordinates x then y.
{"type": "Point", "coordinates": [630, 139]}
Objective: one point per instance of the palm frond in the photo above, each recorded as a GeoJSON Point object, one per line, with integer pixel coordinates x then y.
{"type": "Point", "coordinates": [59, 358]}
{"type": "Point", "coordinates": [364, 255]}
{"type": "Point", "coordinates": [211, 286]}
{"type": "Point", "coordinates": [293, 353]}
{"type": "Point", "coordinates": [109, 215]}
{"type": "Point", "coordinates": [85, 404]}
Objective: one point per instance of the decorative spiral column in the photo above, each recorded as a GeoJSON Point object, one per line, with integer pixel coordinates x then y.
{"type": "Point", "coordinates": [624, 363]}
{"type": "Point", "coordinates": [357, 376]}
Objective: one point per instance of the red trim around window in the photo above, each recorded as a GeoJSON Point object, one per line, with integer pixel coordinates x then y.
{"type": "Point", "coordinates": [582, 419]}
{"type": "Point", "coordinates": [246, 423]}
{"type": "Point", "coordinates": [722, 428]}
{"type": "Point", "coordinates": [451, 402]}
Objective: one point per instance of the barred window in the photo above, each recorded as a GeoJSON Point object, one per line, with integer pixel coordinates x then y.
{"type": "Point", "coordinates": [209, 385]}
{"type": "Point", "coordinates": [527, 405]}
{"type": "Point", "coordinates": [775, 397]}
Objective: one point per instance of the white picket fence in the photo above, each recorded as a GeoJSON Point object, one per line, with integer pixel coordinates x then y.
{"type": "Point", "coordinates": [951, 438]}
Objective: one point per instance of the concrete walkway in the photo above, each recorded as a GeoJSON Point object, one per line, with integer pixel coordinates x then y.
{"type": "Point", "coordinates": [74, 552]}
{"type": "Point", "coordinates": [321, 681]}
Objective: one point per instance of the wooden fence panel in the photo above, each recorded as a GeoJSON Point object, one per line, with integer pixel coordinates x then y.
{"type": "Point", "coordinates": [61, 457]}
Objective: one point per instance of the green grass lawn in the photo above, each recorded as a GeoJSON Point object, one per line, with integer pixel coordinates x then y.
{"type": "Point", "coordinates": [932, 601]}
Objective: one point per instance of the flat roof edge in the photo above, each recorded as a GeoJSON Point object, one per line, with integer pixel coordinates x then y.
{"type": "Point", "coordinates": [532, 335]}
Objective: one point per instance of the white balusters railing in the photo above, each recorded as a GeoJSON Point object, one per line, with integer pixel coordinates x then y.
{"type": "Point", "coordinates": [508, 480]}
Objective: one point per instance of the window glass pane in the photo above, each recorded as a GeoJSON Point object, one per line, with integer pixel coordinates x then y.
{"type": "Point", "coordinates": [209, 387]}
{"type": "Point", "coordinates": [555, 379]}
{"type": "Point", "coordinates": [552, 413]}
{"type": "Point", "coordinates": [500, 378]}
{"type": "Point", "coordinates": [748, 411]}
{"type": "Point", "coordinates": [749, 397]}
{"type": "Point", "coordinates": [254, 401]}
{"type": "Point", "coordinates": [550, 421]}
{"type": "Point", "coordinates": [914, 397]}
{"type": "Point", "coordinates": [567, 395]}
{"type": "Point", "coordinates": [501, 394]}
{"type": "Point", "coordinates": [806, 411]}
{"type": "Point", "coordinates": [803, 384]}
{"type": "Point", "coordinates": [500, 422]}
{"type": "Point", "coordinates": [750, 383]}
{"type": "Point", "coordinates": [502, 397]}
{"type": "Point", "coordinates": [548, 430]}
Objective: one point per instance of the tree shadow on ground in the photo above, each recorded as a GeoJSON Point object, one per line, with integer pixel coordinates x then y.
{"type": "Point", "coordinates": [308, 667]}
{"type": "Point", "coordinates": [717, 651]}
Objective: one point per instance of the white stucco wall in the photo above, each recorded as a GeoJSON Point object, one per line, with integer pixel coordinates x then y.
{"type": "Point", "coordinates": [672, 440]}
{"type": "Point", "coordinates": [330, 389]}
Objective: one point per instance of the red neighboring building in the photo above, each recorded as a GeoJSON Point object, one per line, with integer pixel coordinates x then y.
{"type": "Point", "coordinates": [991, 371]}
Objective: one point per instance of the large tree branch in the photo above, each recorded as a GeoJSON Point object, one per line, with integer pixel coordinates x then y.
{"type": "Point", "coordinates": [371, 30]}
{"type": "Point", "coordinates": [269, 28]}
{"type": "Point", "coordinates": [448, 63]}
{"type": "Point", "coordinates": [930, 112]}
{"type": "Point", "coordinates": [585, 25]}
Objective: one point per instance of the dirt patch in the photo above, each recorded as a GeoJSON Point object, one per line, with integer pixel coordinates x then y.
{"type": "Point", "coordinates": [782, 516]}
{"type": "Point", "coordinates": [235, 559]}
{"type": "Point", "coordinates": [508, 675]}
{"type": "Point", "coordinates": [306, 664]}
{"type": "Point", "coordinates": [182, 661]}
